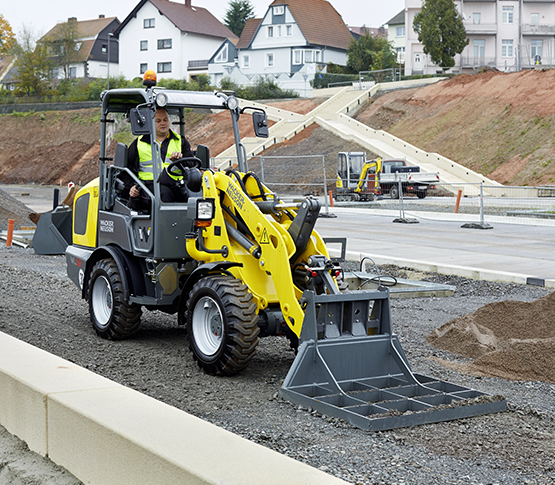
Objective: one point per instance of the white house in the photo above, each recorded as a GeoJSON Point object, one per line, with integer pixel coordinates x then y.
{"type": "Point", "coordinates": [396, 35]}
{"type": "Point", "coordinates": [173, 38]}
{"type": "Point", "coordinates": [294, 40]}
{"type": "Point", "coordinates": [91, 46]}
{"type": "Point", "coordinates": [508, 35]}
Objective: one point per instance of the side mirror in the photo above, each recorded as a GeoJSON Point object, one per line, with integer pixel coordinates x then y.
{"type": "Point", "coordinates": [203, 154]}
{"type": "Point", "coordinates": [260, 123]}
{"type": "Point", "coordinates": [141, 121]}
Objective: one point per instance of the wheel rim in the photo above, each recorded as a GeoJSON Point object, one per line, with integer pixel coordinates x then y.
{"type": "Point", "coordinates": [102, 300]}
{"type": "Point", "coordinates": [207, 326]}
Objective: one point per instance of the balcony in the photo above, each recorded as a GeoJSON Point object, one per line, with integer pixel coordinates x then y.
{"type": "Point", "coordinates": [538, 29]}
{"type": "Point", "coordinates": [482, 29]}
{"type": "Point", "coordinates": [201, 64]}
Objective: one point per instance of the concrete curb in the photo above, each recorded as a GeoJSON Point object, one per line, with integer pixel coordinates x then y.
{"type": "Point", "coordinates": [105, 433]}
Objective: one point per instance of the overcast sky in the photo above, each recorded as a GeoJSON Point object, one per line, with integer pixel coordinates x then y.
{"type": "Point", "coordinates": [42, 15]}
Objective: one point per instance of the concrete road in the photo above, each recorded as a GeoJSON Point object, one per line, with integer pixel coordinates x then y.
{"type": "Point", "coordinates": [507, 252]}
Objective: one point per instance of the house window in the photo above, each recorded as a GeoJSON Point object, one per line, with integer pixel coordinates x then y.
{"type": "Point", "coordinates": [79, 44]}
{"type": "Point", "coordinates": [297, 57]}
{"type": "Point", "coordinates": [104, 48]}
{"type": "Point", "coordinates": [246, 62]}
{"type": "Point", "coordinates": [400, 31]}
{"type": "Point", "coordinates": [164, 67]}
{"type": "Point", "coordinates": [289, 30]}
{"type": "Point", "coordinates": [479, 48]}
{"type": "Point", "coordinates": [148, 23]}
{"type": "Point", "coordinates": [222, 55]}
{"type": "Point", "coordinates": [508, 15]}
{"type": "Point", "coordinates": [269, 60]}
{"type": "Point", "coordinates": [164, 43]}
{"type": "Point", "coordinates": [279, 30]}
{"type": "Point", "coordinates": [537, 48]}
{"type": "Point", "coordinates": [72, 72]}
{"type": "Point", "coordinates": [400, 54]}
{"type": "Point", "coordinates": [317, 56]}
{"type": "Point", "coordinates": [143, 68]}
{"type": "Point", "coordinates": [507, 48]}
{"type": "Point", "coordinates": [534, 18]}
{"type": "Point", "coordinates": [279, 10]}
{"type": "Point", "coordinates": [270, 31]}
{"type": "Point", "coordinates": [144, 45]}
{"type": "Point", "coordinates": [476, 17]}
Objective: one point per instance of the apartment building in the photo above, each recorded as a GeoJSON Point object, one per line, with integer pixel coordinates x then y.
{"type": "Point", "coordinates": [508, 35]}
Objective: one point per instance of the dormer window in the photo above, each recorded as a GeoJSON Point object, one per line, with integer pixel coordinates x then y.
{"type": "Point", "coordinates": [222, 55]}
{"type": "Point", "coordinates": [279, 10]}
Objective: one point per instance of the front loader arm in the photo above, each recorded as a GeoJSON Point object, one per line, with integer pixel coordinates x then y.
{"type": "Point", "coordinates": [265, 266]}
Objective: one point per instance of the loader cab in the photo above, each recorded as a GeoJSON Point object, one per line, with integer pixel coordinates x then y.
{"type": "Point", "coordinates": [157, 232]}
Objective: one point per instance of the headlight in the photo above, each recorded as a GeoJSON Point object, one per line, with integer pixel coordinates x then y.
{"type": "Point", "coordinates": [161, 99]}
{"type": "Point", "coordinates": [232, 102]}
{"type": "Point", "coordinates": [205, 211]}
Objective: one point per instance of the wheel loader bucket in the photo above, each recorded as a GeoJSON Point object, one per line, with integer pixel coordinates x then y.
{"type": "Point", "coordinates": [352, 367]}
{"type": "Point", "coordinates": [53, 232]}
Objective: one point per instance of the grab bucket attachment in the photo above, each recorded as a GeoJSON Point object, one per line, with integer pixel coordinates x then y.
{"type": "Point", "coordinates": [53, 232]}
{"type": "Point", "coordinates": [350, 366]}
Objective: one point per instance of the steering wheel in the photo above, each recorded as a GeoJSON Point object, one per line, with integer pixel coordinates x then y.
{"type": "Point", "coordinates": [180, 164]}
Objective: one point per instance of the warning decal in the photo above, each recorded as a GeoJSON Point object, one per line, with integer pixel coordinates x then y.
{"type": "Point", "coordinates": [264, 238]}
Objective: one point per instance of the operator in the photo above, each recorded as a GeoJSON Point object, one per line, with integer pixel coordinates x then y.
{"type": "Point", "coordinates": [139, 161]}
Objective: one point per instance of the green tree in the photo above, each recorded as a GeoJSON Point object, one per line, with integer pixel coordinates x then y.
{"type": "Point", "coordinates": [33, 64]}
{"type": "Point", "coordinates": [7, 37]}
{"type": "Point", "coordinates": [237, 14]}
{"type": "Point", "coordinates": [370, 53]}
{"type": "Point", "coordinates": [64, 46]}
{"type": "Point", "coordinates": [441, 31]}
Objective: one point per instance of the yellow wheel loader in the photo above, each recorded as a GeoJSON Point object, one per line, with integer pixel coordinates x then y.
{"type": "Point", "coordinates": [236, 263]}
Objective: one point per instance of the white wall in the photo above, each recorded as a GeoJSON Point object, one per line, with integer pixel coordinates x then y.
{"type": "Point", "coordinates": [185, 46]}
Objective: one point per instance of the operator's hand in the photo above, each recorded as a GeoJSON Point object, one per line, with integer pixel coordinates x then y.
{"type": "Point", "coordinates": [134, 191]}
{"type": "Point", "coordinates": [176, 156]}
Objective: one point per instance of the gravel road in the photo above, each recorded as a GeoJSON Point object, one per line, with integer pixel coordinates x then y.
{"type": "Point", "coordinates": [514, 447]}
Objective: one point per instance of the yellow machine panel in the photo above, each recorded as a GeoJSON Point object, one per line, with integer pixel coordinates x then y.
{"type": "Point", "coordinates": [85, 215]}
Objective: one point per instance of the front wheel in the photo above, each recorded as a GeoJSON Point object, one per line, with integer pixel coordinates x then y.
{"type": "Point", "coordinates": [111, 316]}
{"type": "Point", "coordinates": [222, 324]}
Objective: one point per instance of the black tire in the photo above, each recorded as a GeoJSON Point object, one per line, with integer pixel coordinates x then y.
{"type": "Point", "coordinates": [222, 324]}
{"type": "Point", "coordinates": [394, 192]}
{"type": "Point", "coordinates": [421, 194]}
{"type": "Point", "coordinates": [111, 316]}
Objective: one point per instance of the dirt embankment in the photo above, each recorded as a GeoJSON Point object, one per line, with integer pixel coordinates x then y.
{"type": "Point", "coordinates": [500, 125]}
{"type": "Point", "coordinates": [494, 123]}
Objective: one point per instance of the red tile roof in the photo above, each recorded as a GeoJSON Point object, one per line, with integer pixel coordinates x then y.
{"type": "Point", "coordinates": [196, 20]}
{"type": "Point", "coordinates": [248, 33]}
{"type": "Point", "coordinates": [85, 28]}
{"type": "Point", "coordinates": [319, 22]}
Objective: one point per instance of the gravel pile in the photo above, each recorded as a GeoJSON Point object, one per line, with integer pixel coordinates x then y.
{"type": "Point", "coordinates": [517, 446]}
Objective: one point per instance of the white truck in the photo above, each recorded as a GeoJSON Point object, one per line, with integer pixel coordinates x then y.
{"type": "Point", "coordinates": [359, 179]}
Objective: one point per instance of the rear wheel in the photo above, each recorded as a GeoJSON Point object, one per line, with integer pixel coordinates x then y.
{"type": "Point", "coordinates": [112, 317]}
{"type": "Point", "coordinates": [394, 192]}
{"type": "Point", "coordinates": [222, 324]}
{"type": "Point", "coordinates": [421, 194]}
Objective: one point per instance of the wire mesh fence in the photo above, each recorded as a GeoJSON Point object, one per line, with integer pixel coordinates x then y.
{"type": "Point", "coordinates": [296, 176]}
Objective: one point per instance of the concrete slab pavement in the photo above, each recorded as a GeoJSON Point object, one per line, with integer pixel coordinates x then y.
{"type": "Point", "coordinates": [507, 252]}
